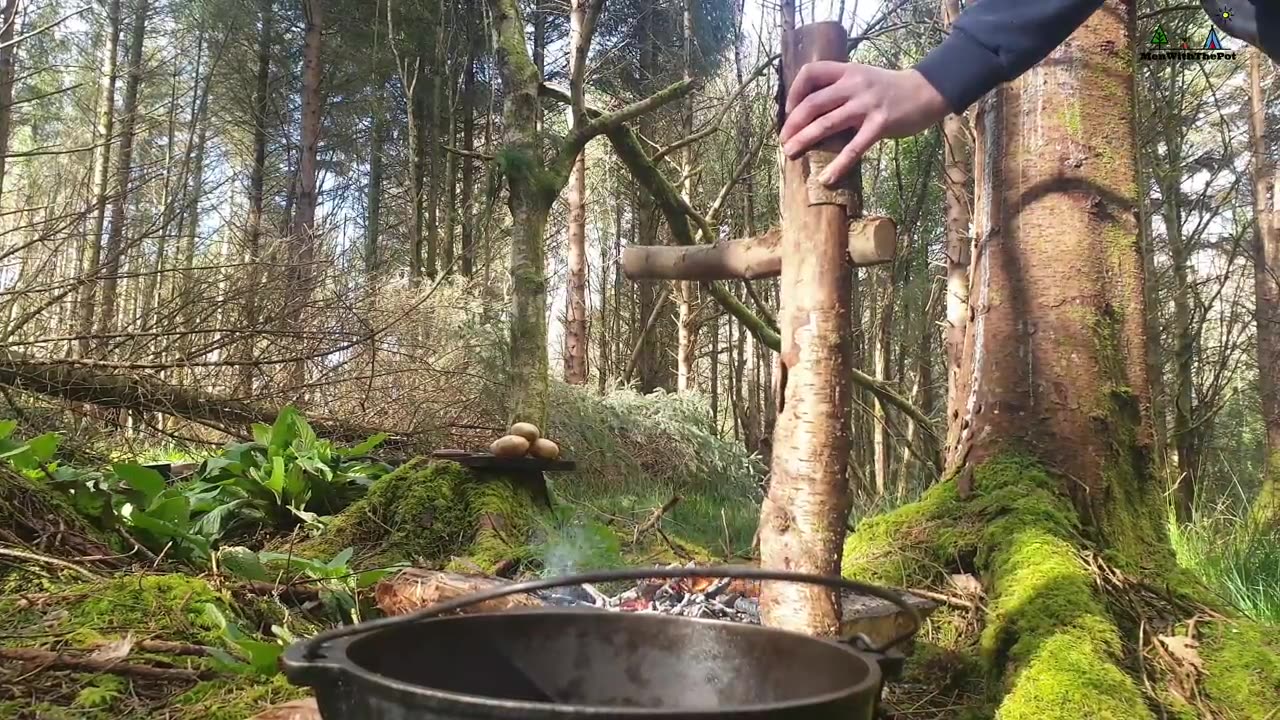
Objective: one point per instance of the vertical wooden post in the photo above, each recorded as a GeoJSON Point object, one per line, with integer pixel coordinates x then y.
{"type": "Point", "coordinates": [802, 523]}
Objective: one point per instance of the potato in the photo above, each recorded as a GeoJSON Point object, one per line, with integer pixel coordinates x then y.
{"type": "Point", "coordinates": [544, 449]}
{"type": "Point", "coordinates": [528, 431]}
{"type": "Point", "coordinates": [509, 446]}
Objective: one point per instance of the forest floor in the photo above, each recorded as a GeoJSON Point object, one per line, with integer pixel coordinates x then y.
{"type": "Point", "coordinates": [126, 594]}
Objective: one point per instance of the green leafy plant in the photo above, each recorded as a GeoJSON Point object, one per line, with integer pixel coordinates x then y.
{"type": "Point", "coordinates": [256, 656]}
{"type": "Point", "coordinates": [287, 476]}
{"type": "Point", "coordinates": [338, 582]}
{"type": "Point", "coordinates": [30, 456]}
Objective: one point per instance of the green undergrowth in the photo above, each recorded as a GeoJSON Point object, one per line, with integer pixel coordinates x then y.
{"type": "Point", "coordinates": [429, 513]}
{"type": "Point", "coordinates": [1242, 661]}
{"type": "Point", "coordinates": [634, 452]}
{"type": "Point", "coordinates": [82, 617]}
{"type": "Point", "coordinates": [1236, 555]}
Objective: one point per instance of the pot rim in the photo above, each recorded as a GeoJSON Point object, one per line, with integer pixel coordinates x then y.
{"type": "Point", "coordinates": [336, 661]}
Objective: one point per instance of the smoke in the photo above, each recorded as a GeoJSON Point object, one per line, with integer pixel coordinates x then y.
{"type": "Point", "coordinates": [579, 545]}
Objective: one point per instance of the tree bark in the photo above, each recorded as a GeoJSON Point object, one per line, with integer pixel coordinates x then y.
{"type": "Point", "coordinates": [575, 332]}
{"type": "Point", "coordinates": [101, 161]}
{"type": "Point", "coordinates": [653, 367]}
{"type": "Point", "coordinates": [1185, 428]}
{"type": "Point", "coordinates": [427, 133]}
{"type": "Point", "coordinates": [880, 371]}
{"type": "Point", "coordinates": [802, 523]}
{"type": "Point", "coordinates": [468, 167]}
{"type": "Point", "coordinates": [1267, 292]}
{"type": "Point", "coordinates": [687, 332]}
{"type": "Point", "coordinates": [422, 142]}
{"type": "Point", "coordinates": [8, 53]}
{"type": "Point", "coordinates": [302, 232]}
{"type": "Point", "coordinates": [114, 248]}
{"type": "Point", "coordinates": [373, 220]}
{"type": "Point", "coordinates": [529, 200]}
{"type": "Point", "coordinates": [957, 180]}
{"type": "Point", "coordinates": [1054, 360]}
{"type": "Point", "coordinates": [257, 188]}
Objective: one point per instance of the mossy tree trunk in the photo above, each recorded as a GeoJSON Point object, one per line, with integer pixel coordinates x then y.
{"type": "Point", "coordinates": [535, 179]}
{"type": "Point", "coordinates": [1055, 350]}
{"type": "Point", "coordinates": [1054, 436]}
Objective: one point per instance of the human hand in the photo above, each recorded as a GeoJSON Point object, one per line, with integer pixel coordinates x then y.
{"type": "Point", "coordinates": [828, 97]}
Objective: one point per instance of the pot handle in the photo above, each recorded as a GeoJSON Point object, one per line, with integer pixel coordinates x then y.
{"type": "Point", "coordinates": [309, 666]}
{"type": "Point", "coordinates": [312, 648]}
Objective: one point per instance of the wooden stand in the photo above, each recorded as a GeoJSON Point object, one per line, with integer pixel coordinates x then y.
{"type": "Point", "coordinates": [527, 471]}
{"type": "Point", "coordinates": [823, 236]}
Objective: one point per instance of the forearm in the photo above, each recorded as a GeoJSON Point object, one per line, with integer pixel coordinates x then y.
{"type": "Point", "coordinates": [994, 41]}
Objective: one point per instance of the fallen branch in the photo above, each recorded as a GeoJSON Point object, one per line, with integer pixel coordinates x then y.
{"type": "Point", "coordinates": [654, 519]}
{"type": "Point", "coordinates": [297, 593]}
{"type": "Point", "coordinates": [168, 647]}
{"type": "Point", "coordinates": [77, 663]}
{"type": "Point", "coordinates": [79, 383]}
{"type": "Point", "coordinates": [951, 600]}
{"type": "Point", "coordinates": [46, 560]}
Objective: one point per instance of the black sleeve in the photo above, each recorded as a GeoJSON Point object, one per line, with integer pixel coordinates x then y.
{"type": "Point", "coordinates": [995, 41]}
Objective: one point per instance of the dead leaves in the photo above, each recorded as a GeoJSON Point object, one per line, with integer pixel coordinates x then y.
{"type": "Point", "coordinates": [114, 651]}
{"type": "Point", "coordinates": [1177, 658]}
{"type": "Point", "coordinates": [1184, 650]}
{"type": "Point", "coordinates": [296, 710]}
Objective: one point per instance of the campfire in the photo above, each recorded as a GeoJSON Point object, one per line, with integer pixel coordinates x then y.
{"type": "Point", "coordinates": [697, 597]}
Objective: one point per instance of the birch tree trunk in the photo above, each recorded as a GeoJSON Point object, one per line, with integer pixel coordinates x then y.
{"type": "Point", "coordinates": [124, 171]}
{"type": "Point", "coordinates": [687, 336]}
{"type": "Point", "coordinates": [575, 331]}
{"type": "Point", "coordinates": [957, 180]}
{"type": "Point", "coordinates": [802, 522]}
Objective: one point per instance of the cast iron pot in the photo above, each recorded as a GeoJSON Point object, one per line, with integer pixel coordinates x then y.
{"type": "Point", "coordinates": [563, 663]}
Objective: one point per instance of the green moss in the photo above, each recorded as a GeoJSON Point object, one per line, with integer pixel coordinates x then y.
{"type": "Point", "coordinates": [235, 698]}
{"type": "Point", "coordinates": [1242, 668]}
{"type": "Point", "coordinates": [159, 607]}
{"type": "Point", "coordinates": [503, 517]}
{"type": "Point", "coordinates": [1071, 120]}
{"type": "Point", "coordinates": [167, 607]}
{"type": "Point", "coordinates": [913, 544]}
{"type": "Point", "coordinates": [428, 512]}
{"type": "Point", "coordinates": [1072, 676]}
{"type": "Point", "coordinates": [1049, 645]}
{"type": "Point", "coordinates": [1048, 637]}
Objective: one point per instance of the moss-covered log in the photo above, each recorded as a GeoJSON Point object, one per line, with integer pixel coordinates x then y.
{"type": "Point", "coordinates": [434, 514]}
{"type": "Point", "coordinates": [1052, 644]}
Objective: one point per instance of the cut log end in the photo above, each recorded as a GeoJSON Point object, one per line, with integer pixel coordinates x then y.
{"type": "Point", "coordinates": [872, 241]}
{"type": "Point", "coordinates": [414, 589]}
